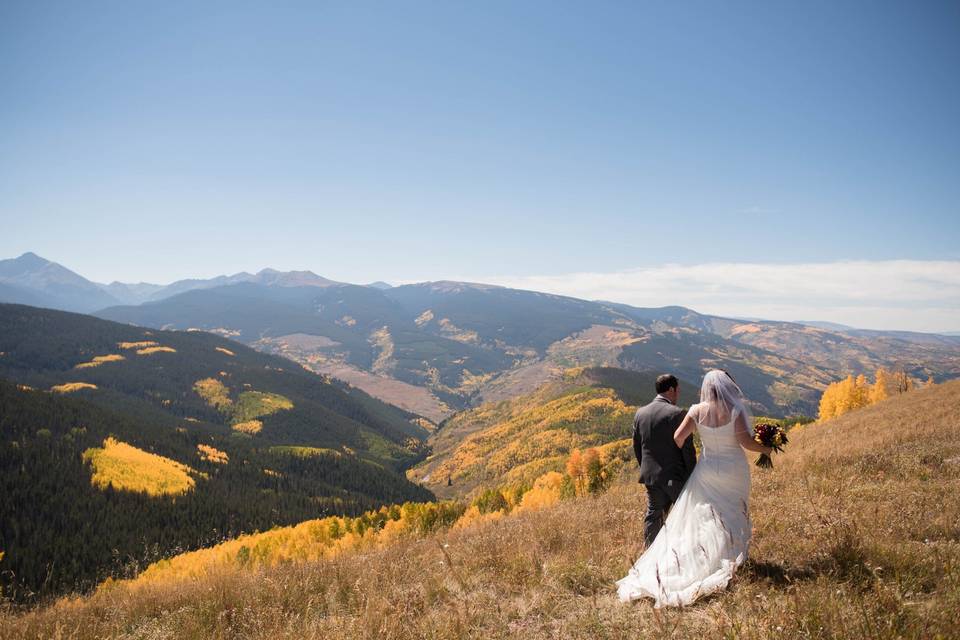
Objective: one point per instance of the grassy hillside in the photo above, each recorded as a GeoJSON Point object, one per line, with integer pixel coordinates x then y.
{"type": "Point", "coordinates": [513, 442]}
{"type": "Point", "coordinates": [857, 534]}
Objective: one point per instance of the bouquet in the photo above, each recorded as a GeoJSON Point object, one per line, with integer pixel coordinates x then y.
{"type": "Point", "coordinates": [769, 434]}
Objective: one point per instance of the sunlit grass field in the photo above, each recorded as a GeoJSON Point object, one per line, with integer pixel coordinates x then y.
{"type": "Point", "coordinates": [857, 535]}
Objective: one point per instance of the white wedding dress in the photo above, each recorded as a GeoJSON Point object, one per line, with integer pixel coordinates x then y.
{"type": "Point", "coordinates": [706, 534]}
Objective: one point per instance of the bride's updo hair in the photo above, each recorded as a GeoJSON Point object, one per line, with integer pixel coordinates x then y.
{"type": "Point", "coordinates": [722, 396]}
{"type": "Point", "coordinates": [718, 385]}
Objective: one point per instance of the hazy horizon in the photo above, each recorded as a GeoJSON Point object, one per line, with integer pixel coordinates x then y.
{"type": "Point", "coordinates": [851, 282]}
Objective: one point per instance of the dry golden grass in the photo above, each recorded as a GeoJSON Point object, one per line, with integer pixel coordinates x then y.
{"type": "Point", "coordinates": [857, 535]}
{"type": "Point", "coordinates": [99, 360]}
{"type": "Point", "coordinates": [70, 387]}
{"type": "Point", "coordinates": [151, 350]}
{"type": "Point", "coordinates": [132, 469]}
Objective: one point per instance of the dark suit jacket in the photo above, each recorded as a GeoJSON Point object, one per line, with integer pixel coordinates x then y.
{"type": "Point", "coordinates": [662, 464]}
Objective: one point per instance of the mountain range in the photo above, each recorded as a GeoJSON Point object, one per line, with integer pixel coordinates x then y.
{"type": "Point", "coordinates": [437, 347]}
{"type": "Point", "coordinates": [30, 279]}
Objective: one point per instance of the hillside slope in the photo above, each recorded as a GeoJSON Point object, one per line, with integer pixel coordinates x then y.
{"type": "Point", "coordinates": [87, 492]}
{"type": "Point", "coordinates": [857, 534]}
{"type": "Point", "coordinates": [157, 372]}
{"type": "Point", "coordinates": [119, 445]}
{"type": "Point", "coordinates": [453, 345]}
{"type": "Point", "coordinates": [515, 441]}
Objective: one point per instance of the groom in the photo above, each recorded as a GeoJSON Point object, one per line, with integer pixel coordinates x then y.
{"type": "Point", "coordinates": [664, 468]}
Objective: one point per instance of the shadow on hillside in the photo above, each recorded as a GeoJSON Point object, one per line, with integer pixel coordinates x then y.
{"type": "Point", "coordinates": [776, 574]}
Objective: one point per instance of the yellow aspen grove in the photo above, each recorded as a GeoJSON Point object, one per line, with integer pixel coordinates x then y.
{"type": "Point", "coordinates": [545, 492]}
{"type": "Point", "coordinates": [828, 402]}
{"type": "Point", "coordinates": [860, 392]}
{"type": "Point", "coordinates": [881, 388]}
{"type": "Point", "coordinates": [577, 470]}
{"type": "Point", "coordinates": [853, 393]}
{"type": "Point", "coordinates": [846, 395]}
{"type": "Point", "coordinates": [593, 468]}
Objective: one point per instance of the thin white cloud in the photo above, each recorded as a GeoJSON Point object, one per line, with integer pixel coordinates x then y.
{"type": "Point", "coordinates": [911, 295]}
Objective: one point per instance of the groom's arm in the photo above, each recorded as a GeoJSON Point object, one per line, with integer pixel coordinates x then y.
{"type": "Point", "coordinates": [637, 447]}
{"type": "Point", "coordinates": [689, 454]}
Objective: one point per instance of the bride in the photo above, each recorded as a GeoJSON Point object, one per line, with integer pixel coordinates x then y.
{"type": "Point", "coordinates": [706, 535]}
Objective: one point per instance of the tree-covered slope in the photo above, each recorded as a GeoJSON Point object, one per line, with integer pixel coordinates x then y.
{"type": "Point", "coordinates": [114, 449]}
{"type": "Point", "coordinates": [158, 371]}
{"type": "Point", "coordinates": [61, 531]}
{"type": "Point", "coordinates": [516, 441]}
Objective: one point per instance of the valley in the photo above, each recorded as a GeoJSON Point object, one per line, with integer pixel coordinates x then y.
{"type": "Point", "coordinates": [514, 442]}
{"type": "Point", "coordinates": [253, 402]}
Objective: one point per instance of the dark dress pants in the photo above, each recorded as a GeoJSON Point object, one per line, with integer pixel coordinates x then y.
{"type": "Point", "coordinates": [658, 503]}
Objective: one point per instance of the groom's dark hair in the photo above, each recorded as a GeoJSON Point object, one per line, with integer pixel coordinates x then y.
{"type": "Point", "coordinates": [666, 382]}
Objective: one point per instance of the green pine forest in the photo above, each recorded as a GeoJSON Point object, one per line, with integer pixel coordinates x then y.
{"type": "Point", "coordinates": [336, 451]}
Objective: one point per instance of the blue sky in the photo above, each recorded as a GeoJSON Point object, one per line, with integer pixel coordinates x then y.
{"type": "Point", "coordinates": [497, 141]}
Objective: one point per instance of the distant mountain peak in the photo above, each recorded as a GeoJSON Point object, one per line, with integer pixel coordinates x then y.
{"type": "Point", "coordinates": [380, 284]}
{"type": "Point", "coordinates": [26, 262]}
{"type": "Point", "coordinates": [31, 256]}
{"type": "Point", "coordinates": [454, 286]}
{"type": "Point", "coordinates": [36, 280]}
{"type": "Point", "coordinates": [291, 278]}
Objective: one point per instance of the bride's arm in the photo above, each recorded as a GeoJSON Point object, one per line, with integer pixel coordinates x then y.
{"type": "Point", "coordinates": [684, 430]}
{"type": "Point", "coordinates": [745, 438]}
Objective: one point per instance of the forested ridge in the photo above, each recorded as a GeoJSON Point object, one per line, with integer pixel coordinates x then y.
{"type": "Point", "coordinates": [43, 348]}
{"type": "Point", "coordinates": [59, 531]}
{"type": "Point", "coordinates": [518, 440]}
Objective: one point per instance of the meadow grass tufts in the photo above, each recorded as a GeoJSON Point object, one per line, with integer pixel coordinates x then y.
{"type": "Point", "coordinates": [840, 550]}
